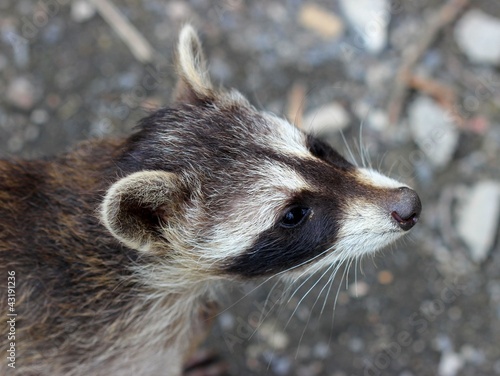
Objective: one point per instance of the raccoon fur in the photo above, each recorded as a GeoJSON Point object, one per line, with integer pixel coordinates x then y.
{"type": "Point", "coordinates": [118, 245]}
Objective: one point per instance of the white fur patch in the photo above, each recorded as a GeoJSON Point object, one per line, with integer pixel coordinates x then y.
{"type": "Point", "coordinates": [376, 179]}
{"type": "Point", "coordinates": [286, 138]}
{"type": "Point", "coordinates": [273, 186]}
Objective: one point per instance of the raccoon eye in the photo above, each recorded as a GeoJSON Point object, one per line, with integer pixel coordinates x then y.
{"type": "Point", "coordinates": [294, 216]}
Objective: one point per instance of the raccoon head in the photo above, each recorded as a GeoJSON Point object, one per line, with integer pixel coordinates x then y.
{"type": "Point", "coordinates": [214, 187]}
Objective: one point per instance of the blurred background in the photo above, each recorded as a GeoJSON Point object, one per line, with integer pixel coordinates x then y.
{"type": "Point", "coordinates": [414, 87]}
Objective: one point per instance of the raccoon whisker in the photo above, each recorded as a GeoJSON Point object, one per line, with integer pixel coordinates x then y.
{"type": "Point", "coordinates": [312, 308]}
{"type": "Point", "coordinates": [336, 266]}
{"type": "Point", "coordinates": [392, 166]}
{"type": "Point", "coordinates": [303, 297]}
{"type": "Point", "coordinates": [347, 274]}
{"type": "Point", "coordinates": [344, 273]}
{"type": "Point", "coordinates": [245, 295]}
{"type": "Point", "coordinates": [356, 271]}
{"type": "Point", "coordinates": [335, 301]}
{"type": "Point", "coordinates": [330, 284]}
{"type": "Point", "coordinates": [264, 314]}
{"type": "Point", "coordinates": [277, 275]}
{"type": "Point", "coordinates": [354, 161]}
{"type": "Point", "coordinates": [381, 160]}
{"type": "Point", "coordinates": [361, 265]}
{"type": "Point", "coordinates": [361, 149]}
{"type": "Point", "coordinates": [298, 288]}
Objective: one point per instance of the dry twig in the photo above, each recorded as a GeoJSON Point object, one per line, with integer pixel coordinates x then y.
{"type": "Point", "coordinates": [296, 103]}
{"type": "Point", "coordinates": [447, 14]}
{"type": "Point", "coordinates": [137, 44]}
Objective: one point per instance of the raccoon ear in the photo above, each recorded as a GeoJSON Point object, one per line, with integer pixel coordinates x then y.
{"type": "Point", "coordinates": [194, 85]}
{"type": "Point", "coordinates": [138, 208]}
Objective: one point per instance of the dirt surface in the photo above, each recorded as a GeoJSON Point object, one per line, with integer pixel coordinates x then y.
{"type": "Point", "coordinates": [426, 306]}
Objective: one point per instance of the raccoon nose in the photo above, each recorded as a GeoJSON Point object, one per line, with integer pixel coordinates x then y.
{"type": "Point", "coordinates": [406, 208]}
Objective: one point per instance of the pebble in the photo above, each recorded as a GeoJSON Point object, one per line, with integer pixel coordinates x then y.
{"type": "Point", "coordinates": [19, 44]}
{"type": "Point", "coordinates": [378, 120]}
{"type": "Point", "coordinates": [82, 10]}
{"type": "Point", "coordinates": [281, 366]}
{"type": "Point", "coordinates": [278, 340]}
{"type": "Point", "coordinates": [328, 118]}
{"type": "Point", "coordinates": [20, 93]}
{"type": "Point", "coordinates": [321, 350]}
{"type": "Point", "coordinates": [385, 277]}
{"type": "Point", "coordinates": [478, 36]}
{"type": "Point", "coordinates": [356, 344]}
{"type": "Point", "coordinates": [359, 289]}
{"type": "Point", "coordinates": [369, 19]}
{"type": "Point", "coordinates": [450, 364]}
{"type": "Point", "coordinates": [226, 321]}
{"type": "Point", "coordinates": [326, 24]}
{"type": "Point", "coordinates": [472, 354]}
{"type": "Point", "coordinates": [478, 219]}
{"type": "Point", "coordinates": [433, 130]}
{"type": "Point", "coordinates": [39, 116]}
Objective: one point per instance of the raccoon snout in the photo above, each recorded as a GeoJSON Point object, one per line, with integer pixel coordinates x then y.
{"type": "Point", "coordinates": [405, 208]}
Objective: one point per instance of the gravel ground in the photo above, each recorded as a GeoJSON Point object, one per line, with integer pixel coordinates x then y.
{"type": "Point", "coordinates": [430, 305]}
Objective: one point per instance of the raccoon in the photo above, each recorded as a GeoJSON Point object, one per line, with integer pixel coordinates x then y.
{"type": "Point", "coordinates": [119, 246]}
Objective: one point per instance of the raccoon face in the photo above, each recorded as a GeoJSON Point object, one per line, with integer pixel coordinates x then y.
{"type": "Point", "coordinates": [216, 188]}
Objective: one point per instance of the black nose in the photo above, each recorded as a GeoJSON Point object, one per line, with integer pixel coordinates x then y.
{"type": "Point", "coordinates": [406, 208]}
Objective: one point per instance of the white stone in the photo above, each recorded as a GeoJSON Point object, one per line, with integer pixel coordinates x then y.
{"type": "Point", "coordinates": [433, 130]}
{"type": "Point", "coordinates": [378, 120]}
{"type": "Point", "coordinates": [82, 10]}
{"type": "Point", "coordinates": [359, 289]}
{"type": "Point", "coordinates": [328, 118]}
{"type": "Point", "coordinates": [370, 19]}
{"type": "Point", "coordinates": [21, 93]}
{"type": "Point", "coordinates": [450, 364]}
{"type": "Point", "coordinates": [478, 219]}
{"type": "Point", "coordinates": [478, 36]}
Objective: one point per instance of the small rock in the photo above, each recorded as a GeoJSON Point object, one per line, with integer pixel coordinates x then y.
{"type": "Point", "coordinates": [82, 10]}
{"type": "Point", "coordinates": [181, 11]}
{"type": "Point", "coordinates": [276, 339]}
{"type": "Point", "coordinates": [359, 289]}
{"type": "Point", "coordinates": [20, 93]}
{"type": "Point", "coordinates": [31, 132]}
{"type": "Point", "coordinates": [39, 116]}
{"type": "Point", "coordinates": [450, 364]}
{"type": "Point", "coordinates": [281, 365]}
{"type": "Point", "coordinates": [443, 343]}
{"type": "Point", "coordinates": [433, 130]}
{"type": "Point", "coordinates": [325, 23]}
{"type": "Point", "coordinates": [356, 344]}
{"type": "Point", "coordinates": [226, 321]}
{"type": "Point", "coordinates": [378, 120]}
{"type": "Point", "coordinates": [321, 350]}
{"type": "Point", "coordinates": [370, 19]}
{"type": "Point", "coordinates": [478, 36]}
{"type": "Point", "coordinates": [385, 277]}
{"type": "Point", "coordinates": [329, 118]}
{"type": "Point", "coordinates": [20, 45]}
{"type": "Point", "coordinates": [478, 219]}
{"type": "Point", "coordinates": [15, 144]}
{"type": "Point", "coordinates": [472, 355]}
